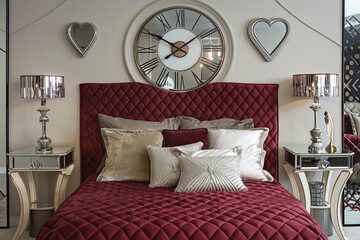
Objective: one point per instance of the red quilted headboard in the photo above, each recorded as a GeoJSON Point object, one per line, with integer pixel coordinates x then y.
{"type": "Point", "coordinates": [146, 102]}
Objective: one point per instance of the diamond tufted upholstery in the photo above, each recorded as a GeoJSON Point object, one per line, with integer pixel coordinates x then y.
{"type": "Point", "coordinates": [146, 102]}
{"type": "Point", "coordinates": [131, 210]}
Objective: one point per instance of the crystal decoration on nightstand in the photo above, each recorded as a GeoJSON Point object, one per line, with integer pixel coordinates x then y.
{"type": "Point", "coordinates": [322, 164]}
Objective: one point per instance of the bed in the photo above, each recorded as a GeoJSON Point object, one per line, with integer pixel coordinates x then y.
{"type": "Point", "coordinates": [132, 210]}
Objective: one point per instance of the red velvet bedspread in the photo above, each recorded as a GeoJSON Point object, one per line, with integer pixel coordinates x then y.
{"type": "Point", "coordinates": [131, 210]}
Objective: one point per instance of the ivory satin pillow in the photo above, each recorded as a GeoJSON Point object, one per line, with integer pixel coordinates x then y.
{"type": "Point", "coordinates": [250, 165]}
{"type": "Point", "coordinates": [208, 174]}
{"type": "Point", "coordinates": [164, 164]}
{"type": "Point", "coordinates": [127, 158]}
{"type": "Point", "coordinates": [231, 138]}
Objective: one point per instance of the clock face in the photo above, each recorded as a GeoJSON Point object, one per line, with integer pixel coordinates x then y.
{"type": "Point", "coordinates": [179, 49]}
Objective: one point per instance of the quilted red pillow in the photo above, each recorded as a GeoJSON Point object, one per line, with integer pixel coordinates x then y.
{"type": "Point", "coordinates": [182, 137]}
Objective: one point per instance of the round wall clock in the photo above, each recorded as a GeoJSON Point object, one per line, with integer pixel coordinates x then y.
{"type": "Point", "coordinates": [180, 48]}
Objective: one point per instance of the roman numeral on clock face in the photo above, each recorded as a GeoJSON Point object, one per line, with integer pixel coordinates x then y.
{"type": "Point", "coordinates": [148, 66]}
{"type": "Point", "coordinates": [197, 79]}
{"type": "Point", "coordinates": [151, 49]}
{"type": "Point", "coordinates": [212, 48]}
{"type": "Point", "coordinates": [180, 18]}
{"type": "Point", "coordinates": [166, 25]}
{"type": "Point", "coordinates": [162, 78]}
{"type": "Point", "coordinates": [197, 20]}
{"type": "Point", "coordinates": [179, 81]}
{"type": "Point", "coordinates": [212, 66]}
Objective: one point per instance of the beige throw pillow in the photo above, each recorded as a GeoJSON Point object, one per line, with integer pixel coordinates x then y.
{"type": "Point", "coordinates": [127, 159]}
{"type": "Point", "coordinates": [207, 174]}
{"type": "Point", "coordinates": [106, 121]}
{"type": "Point", "coordinates": [223, 123]}
{"type": "Point", "coordinates": [164, 165]}
{"type": "Point", "coordinates": [129, 124]}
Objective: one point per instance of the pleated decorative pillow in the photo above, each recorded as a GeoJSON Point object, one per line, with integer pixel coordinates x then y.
{"type": "Point", "coordinates": [250, 161]}
{"type": "Point", "coordinates": [208, 174]}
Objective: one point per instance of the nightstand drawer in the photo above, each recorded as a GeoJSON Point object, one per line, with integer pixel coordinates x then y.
{"type": "Point", "coordinates": [40, 162]}
{"type": "Point", "coordinates": [300, 159]}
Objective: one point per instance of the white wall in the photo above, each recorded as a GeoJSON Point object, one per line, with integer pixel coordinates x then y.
{"type": "Point", "coordinates": [42, 48]}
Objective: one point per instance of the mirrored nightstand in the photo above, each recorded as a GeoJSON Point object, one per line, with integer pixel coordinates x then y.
{"type": "Point", "coordinates": [298, 161]}
{"type": "Point", "coordinates": [27, 161]}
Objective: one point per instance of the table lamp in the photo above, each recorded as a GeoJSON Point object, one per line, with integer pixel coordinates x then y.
{"type": "Point", "coordinates": [315, 86]}
{"type": "Point", "coordinates": [43, 87]}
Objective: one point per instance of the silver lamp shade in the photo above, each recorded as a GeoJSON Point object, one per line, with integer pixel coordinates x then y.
{"type": "Point", "coordinates": [315, 86]}
{"type": "Point", "coordinates": [42, 86]}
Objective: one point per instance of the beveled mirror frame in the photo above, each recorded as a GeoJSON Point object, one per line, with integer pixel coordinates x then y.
{"type": "Point", "coordinates": [257, 43]}
{"type": "Point", "coordinates": [4, 113]}
{"type": "Point", "coordinates": [79, 50]}
{"type": "Point", "coordinates": [346, 130]}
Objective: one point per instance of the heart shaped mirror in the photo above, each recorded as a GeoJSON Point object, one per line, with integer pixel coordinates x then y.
{"type": "Point", "coordinates": [268, 35]}
{"type": "Point", "coordinates": [82, 36]}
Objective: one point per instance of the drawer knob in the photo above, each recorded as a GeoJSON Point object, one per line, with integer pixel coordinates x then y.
{"type": "Point", "coordinates": [36, 164]}
{"type": "Point", "coordinates": [322, 164]}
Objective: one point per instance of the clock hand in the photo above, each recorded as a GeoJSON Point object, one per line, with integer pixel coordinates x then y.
{"type": "Point", "coordinates": [179, 49]}
{"type": "Point", "coordinates": [158, 37]}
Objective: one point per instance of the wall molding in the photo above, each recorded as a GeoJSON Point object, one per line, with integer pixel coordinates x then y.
{"type": "Point", "coordinates": [306, 24]}
{"type": "Point", "coordinates": [40, 18]}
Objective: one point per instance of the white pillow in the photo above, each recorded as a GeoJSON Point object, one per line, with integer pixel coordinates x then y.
{"type": "Point", "coordinates": [231, 138]}
{"type": "Point", "coordinates": [250, 165]}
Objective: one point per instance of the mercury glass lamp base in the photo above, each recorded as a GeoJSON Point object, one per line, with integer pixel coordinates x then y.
{"type": "Point", "coordinates": [313, 149]}
{"type": "Point", "coordinates": [44, 150]}
{"type": "Point", "coordinates": [316, 146]}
